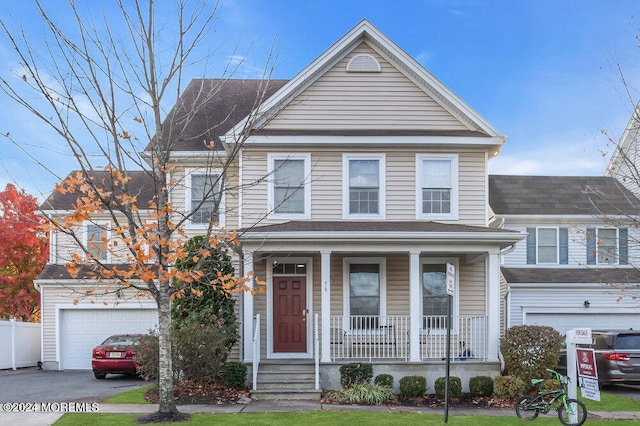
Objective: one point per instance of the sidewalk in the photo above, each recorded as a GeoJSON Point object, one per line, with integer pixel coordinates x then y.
{"type": "Point", "coordinates": [283, 406]}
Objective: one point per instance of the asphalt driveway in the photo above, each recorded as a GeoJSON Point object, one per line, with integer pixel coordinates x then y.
{"type": "Point", "coordinates": [31, 385]}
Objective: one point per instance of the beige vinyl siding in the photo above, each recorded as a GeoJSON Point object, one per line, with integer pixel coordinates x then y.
{"type": "Point", "coordinates": [353, 100]}
{"type": "Point", "coordinates": [327, 189]}
{"type": "Point", "coordinates": [472, 184]}
{"type": "Point", "coordinates": [472, 298]}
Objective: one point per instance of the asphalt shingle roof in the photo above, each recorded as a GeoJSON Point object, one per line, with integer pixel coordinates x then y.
{"type": "Point", "coordinates": [141, 184]}
{"type": "Point", "coordinates": [210, 107]}
{"type": "Point", "coordinates": [571, 275]}
{"type": "Point", "coordinates": [560, 195]}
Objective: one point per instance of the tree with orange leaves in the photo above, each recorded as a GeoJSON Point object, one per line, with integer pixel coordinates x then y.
{"type": "Point", "coordinates": [23, 254]}
{"type": "Point", "coordinates": [102, 85]}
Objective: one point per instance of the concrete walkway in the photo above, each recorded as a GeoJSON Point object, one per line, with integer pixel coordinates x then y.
{"type": "Point", "coordinates": [282, 406]}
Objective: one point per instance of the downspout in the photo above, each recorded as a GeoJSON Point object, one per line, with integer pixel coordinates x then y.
{"type": "Point", "coordinates": [504, 252]}
{"type": "Point", "coordinates": [38, 287]}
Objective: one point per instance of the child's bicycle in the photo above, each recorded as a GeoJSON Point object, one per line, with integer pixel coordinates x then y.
{"type": "Point", "coordinates": [571, 412]}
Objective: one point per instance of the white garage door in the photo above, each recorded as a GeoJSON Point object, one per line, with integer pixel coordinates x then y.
{"type": "Point", "coordinates": [595, 321]}
{"type": "Point", "coordinates": [82, 329]}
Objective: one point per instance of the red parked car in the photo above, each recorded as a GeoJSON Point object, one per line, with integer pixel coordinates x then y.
{"type": "Point", "coordinates": [114, 355]}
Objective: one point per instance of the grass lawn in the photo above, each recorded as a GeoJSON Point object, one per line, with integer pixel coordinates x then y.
{"type": "Point", "coordinates": [134, 396]}
{"type": "Point", "coordinates": [327, 418]}
{"type": "Point", "coordinates": [610, 402]}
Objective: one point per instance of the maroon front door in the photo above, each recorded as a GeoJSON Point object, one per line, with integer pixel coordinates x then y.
{"type": "Point", "coordinates": [289, 314]}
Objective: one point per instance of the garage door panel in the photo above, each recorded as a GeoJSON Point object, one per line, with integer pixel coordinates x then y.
{"type": "Point", "coordinates": [595, 321]}
{"type": "Point", "coordinates": [83, 329]}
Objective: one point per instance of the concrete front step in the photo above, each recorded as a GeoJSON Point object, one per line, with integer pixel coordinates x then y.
{"type": "Point", "coordinates": [283, 394]}
{"type": "Point", "coordinates": [286, 381]}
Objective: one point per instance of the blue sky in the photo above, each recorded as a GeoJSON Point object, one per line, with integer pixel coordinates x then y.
{"type": "Point", "coordinates": [540, 71]}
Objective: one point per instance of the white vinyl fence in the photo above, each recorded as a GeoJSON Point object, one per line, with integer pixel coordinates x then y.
{"type": "Point", "coordinates": [19, 344]}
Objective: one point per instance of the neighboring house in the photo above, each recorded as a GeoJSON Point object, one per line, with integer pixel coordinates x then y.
{"type": "Point", "coordinates": [624, 163]}
{"type": "Point", "coordinates": [377, 179]}
{"type": "Point", "coordinates": [571, 269]}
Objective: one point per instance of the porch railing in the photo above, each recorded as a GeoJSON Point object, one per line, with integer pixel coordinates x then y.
{"type": "Point", "coordinates": [387, 337]}
{"type": "Point", "coordinates": [370, 337]}
{"type": "Point", "coordinates": [468, 337]}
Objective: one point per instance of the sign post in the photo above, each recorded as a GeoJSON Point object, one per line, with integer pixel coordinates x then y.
{"type": "Point", "coordinates": [451, 285]}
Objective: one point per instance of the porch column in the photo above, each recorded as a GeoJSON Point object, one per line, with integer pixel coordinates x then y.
{"type": "Point", "coordinates": [247, 309]}
{"type": "Point", "coordinates": [325, 279]}
{"type": "Point", "coordinates": [492, 265]}
{"type": "Point", "coordinates": [414, 306]}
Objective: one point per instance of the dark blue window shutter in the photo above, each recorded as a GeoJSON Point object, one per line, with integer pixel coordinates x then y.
{"type": "Point", "coordinates": [591, 246]}
{"type": "Point", "coordinates": [564, 245]}
{"type": "Point", "coordinates": [531, 246]}
{"type": "Point", "coordinates": [623, 243]}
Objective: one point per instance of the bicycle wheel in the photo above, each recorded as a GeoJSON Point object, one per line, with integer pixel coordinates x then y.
{"type": "Point", "coordinates": [525, 409]}
{"type": "Point", "coordinates": [576, 417]}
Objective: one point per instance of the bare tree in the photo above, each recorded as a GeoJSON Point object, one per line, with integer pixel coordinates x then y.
{"type": "Point", "coordinates": [103, 87]}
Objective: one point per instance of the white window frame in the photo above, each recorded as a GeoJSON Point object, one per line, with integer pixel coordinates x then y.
{"type": "Point", "coordinates": [453, 214]}
{"type": "Point", "coordinates": [382, 264]}
{"type": "Point", "coordinates": [617, 245]}
{"type": "Point", "coordinates": [455, 306]}
{"type": "Point", "coordinates": [306, 214]}
{"type": "Point", "coordinates": [538, 262]}
{"type": "Point", "coordinates": [187, 196]}
{"type": "Point", "coordinates": [381, 158]}
{"type": "Point", "coordinates": [85, 241]}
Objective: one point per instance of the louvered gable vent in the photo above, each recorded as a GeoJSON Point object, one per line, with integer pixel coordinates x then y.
{"type": "Point", "coordinates": [363, 63]}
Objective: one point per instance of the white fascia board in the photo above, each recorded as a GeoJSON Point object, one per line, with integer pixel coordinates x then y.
{"type": "Point", "coordinates": [444, 140]}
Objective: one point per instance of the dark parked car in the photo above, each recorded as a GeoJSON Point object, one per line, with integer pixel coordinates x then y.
{"type": "Point", "coordinates": [617, 356]}
{"type": "Point", "coordinates": [114, 356]}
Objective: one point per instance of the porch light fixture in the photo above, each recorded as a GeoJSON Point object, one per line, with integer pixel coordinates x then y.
{"type": "Point", "coordinates": [586, 303]}
{"type": "Point", "coordinates": [118, 293]}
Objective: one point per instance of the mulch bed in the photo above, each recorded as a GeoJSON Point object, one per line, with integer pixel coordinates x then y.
{"type": "Point", "coordinates": [190, 393]}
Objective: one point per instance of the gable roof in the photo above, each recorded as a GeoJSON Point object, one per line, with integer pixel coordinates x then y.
{"type": "Point", "coordinates": [366, 32]}
{"type": "Point", "coordinates": [560, 195]}
{"type": "Point", "coordinates": [141, 184]}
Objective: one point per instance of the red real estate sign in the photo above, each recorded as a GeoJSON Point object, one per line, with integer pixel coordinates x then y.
{"type": "Point", "coordinates": [586, 363]}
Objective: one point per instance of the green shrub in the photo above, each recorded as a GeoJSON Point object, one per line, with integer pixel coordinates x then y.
{"type": "Point", "coordinates": [413, 386]}
{"type": "Point", "coordinates": [147, 356]}
{"type": "Point", "coordinates": [362, 393]}
{"type": "Point", "coordinates": [234, 374]}
{"type": "Point", "coordinates": [355, 373]}
{"type": "Point", "coordinates": [481, 386]}
{"type": "Point", "coordinates": [550, 385]}
{"type": "Point", "coordinates": [528, 350]}
{"type": "Point", "coordinates": [508, 387]}
{"type": "Point", "coordinates": [384, 380]}
{"type": "Point", "coordinates": [455, 386]}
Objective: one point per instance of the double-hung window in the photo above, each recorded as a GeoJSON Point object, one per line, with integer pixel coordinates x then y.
{"type": "Point", "coordinates": [434, 293]}
{"type": "Point", "coordinates": [437, 186]}
{"type": "Point", "coordinates": [204, 202]}
{"type": "Point", "coordinates": [289, 186]}
{"type": "Point", "coordinates": [364, 292]}
{"type": "Point", "coordinates": [547, 245]}
{"type": "Point", "coordinates": [607, 246]}
{"type": "Point", "coordinates": [97, 238]}
{"type": "Point", "coordinates": [364, 186]}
